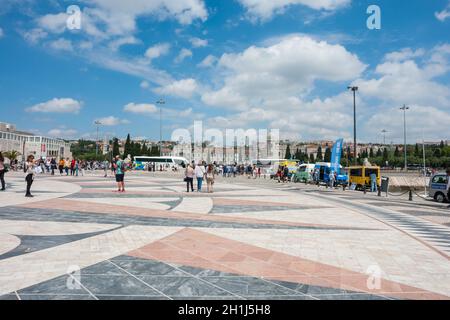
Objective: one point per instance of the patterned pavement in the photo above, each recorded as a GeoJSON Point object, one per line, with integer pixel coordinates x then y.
{"type": "Point", "coordinates": [77, 239]}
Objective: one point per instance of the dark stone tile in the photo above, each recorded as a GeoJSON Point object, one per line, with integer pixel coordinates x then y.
{"type": "Point", "coordinates": [268, 298]}
{"type": "Point", "coordinates": [57, 286]}
{"type": "Point", "coordinates": [137, 298]}
{"type": "Point", "coordinates": [8, 297]}
{"type": "Point", "coordinates": [55, 297]}
{"type": "Point", "coordinates": [348, 297]}
{"type": "Point", "coordinates": [116, 285]}
{"type": "Point", "coordinates": [142, 267]}
{"type": "Point", "coordinates": [249, 286]}
{"type": "Point", "coordinates": [103, 268]}
{"type": "Point", "coordinates": [206, 298]}
{"type": "Point", "coordinates": [206, 273]}
{"type": "Point", "coordinates": [183, 286]}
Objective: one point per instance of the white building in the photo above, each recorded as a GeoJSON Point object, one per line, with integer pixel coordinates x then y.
{"type": "Point", "coordinates": [28, 144]}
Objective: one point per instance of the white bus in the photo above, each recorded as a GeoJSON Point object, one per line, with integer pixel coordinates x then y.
{"type": "Point", "coordinates": [167, 162]}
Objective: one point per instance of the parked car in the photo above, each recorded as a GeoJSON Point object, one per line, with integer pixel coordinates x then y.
{"type": "Point", "coordinates": [438, 187]}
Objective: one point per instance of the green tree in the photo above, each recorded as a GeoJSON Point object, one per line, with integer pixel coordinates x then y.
{"type": "Point", "coordinates": [311, 158]}
{"type": "Point", "coordinates": [379, 153]}
{"type": "Point", "coordinates": [319, 154]}
{"type": "Point", "coordinates": [371, 154]}
{"type": "Point", "coordinates": [397, 152]}
{"type": "Point", "coordinates": [327, 155]}
{"type": "Point", "coordinates": [288, 155]}
{"type": "Point", "coordinates": [115, 149]}
{"type": "Point", "coordinates": [127, 149]}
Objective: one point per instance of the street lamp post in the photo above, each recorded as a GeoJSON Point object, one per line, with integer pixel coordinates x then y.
{"type": "Point", "coordinates": [98, 124]}
{"type": "Point", "coordinates": [384, 136]}
{"type": "Point", "coordinates": [354, 89]}
{"type": "Point", "coordinates": [161, 102]}
{"type": "Point", "coordinates": [404, 108]}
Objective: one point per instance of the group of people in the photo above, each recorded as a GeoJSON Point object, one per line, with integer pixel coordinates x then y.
{"type": "Point", "coordinates": [200, 172]}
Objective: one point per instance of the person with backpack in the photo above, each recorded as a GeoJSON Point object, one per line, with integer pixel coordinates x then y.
{"type": "Point", "coordinates": [53, 166]}
{"type": "Point", "coordinates": [2, 172]}
{"type": "Point", "coordinates": [189, 179]}
{"type": "Point", "coordinates": [29, 170]}
{"type": "Point", "coordinates": [120, 174]}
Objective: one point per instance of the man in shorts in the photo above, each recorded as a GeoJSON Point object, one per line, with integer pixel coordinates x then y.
{"type": "Point", "coordinates": [120, 174]}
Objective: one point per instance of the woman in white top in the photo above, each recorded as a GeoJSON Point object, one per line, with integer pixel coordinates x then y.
{"type": "Point", "coordinates": [29, 174]}
{"type": "Point", "coordinates": [200, 172]}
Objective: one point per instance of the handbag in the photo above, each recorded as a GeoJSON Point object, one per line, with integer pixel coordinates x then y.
{"type": "Point", "coordinates": [186, 179]}
{"type": "Point", "coordinates": [38, 170]}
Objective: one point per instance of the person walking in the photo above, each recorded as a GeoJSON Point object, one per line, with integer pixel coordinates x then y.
{"type": "Point", "coordinates": [105, 168]}
{"type": "Point", "coordinates": [332, 179]}
{"type": "Point", "coordinates": [77, 167]}
{"type": "Point", "coordinates": [61, 166]}
{"type": "Point", "coordinates": [2, 172]}
{"type": "Point", "coordinates": [66, 166]}
{"type": "Point", "coordinates": [29, 174]}
{"type": "Point", "coordinates": [72, 167]}
{"type": "Point", "coordinates": [200, 175]}
{"type": "Point", "coordinates": [53, 166]}
{"type": "Point", "coordinates": [190, 178]}
{"type": "Point", "coordinates": [120, 174]}
{"type": "Point", "coordinates": [210, 177]}
{"type": "Point", "coordinates": [373, 182]}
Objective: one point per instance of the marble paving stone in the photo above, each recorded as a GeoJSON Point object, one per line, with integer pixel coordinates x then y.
{"type": "Point", "coordinates": [116, 285]}
{"type": "Point", "coordinates": [142, 267]}
{"type": "Point", "coordinates": [183, 286]}
{"type": "Point", "coordinates": [56, 297]}
{"type": "Point", "coordinates": [249, 286]}
{"type": "Point", "coordinates": [54, 287]}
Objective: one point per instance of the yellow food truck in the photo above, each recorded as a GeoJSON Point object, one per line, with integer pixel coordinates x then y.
{"type": "Point", "coordinates": [360, 176]}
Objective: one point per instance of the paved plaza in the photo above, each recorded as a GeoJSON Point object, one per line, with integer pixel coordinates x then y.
{"type": "Point", "coordinates": [78, 239]}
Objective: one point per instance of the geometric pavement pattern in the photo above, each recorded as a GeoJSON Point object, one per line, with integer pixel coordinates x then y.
{"type": "Point", "coordinates": [244, 241]}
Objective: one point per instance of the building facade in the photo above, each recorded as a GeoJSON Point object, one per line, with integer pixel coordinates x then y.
{"type": "Point", "coordinates": [29, 144]}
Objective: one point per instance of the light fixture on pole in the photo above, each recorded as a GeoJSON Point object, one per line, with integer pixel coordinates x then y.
{"type": "Point", "coordinates": [384, 136]}
{"type": "Point", "coordinates": [354, 89]}
{"type": "Point", "coordinates": [404, 108]}
{"type": "Point", "coordinates": [161, 102]}
{"type": "Point", "coordinates": [98, 124]}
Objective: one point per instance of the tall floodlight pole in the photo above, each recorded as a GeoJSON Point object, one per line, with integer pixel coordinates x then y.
{"type": "Point", "coordinates": [98, 124]}
{"type": "Point", "coordinates": [404, 108]}
{"type": "Point", "coordinates": [384, 136]}
{"type": "Point", "coordinates": [354, 89]}
{"type": "Point", "coordinates": [161, 102]}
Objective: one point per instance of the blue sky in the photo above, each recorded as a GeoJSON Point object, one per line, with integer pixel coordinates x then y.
{"type": "Point", "coordinates": [281, 64]}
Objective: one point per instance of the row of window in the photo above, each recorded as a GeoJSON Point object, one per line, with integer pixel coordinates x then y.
{"type": "Point", "coordinates": [21, 138]}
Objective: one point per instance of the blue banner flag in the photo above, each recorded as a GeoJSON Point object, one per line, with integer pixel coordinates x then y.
{"type": "Point", "coordinates": [336, 156]}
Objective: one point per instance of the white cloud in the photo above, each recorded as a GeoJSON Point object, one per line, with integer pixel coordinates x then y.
{"type": "Point", "coordinates": [444, 14]}
{"type": "Point", "coordinates": [1, 33]}
{"type": "Point", "coordinates": [54, 23]}
{"type": "Point", "coordinates": [34, 35]}
{"type": "Point", "coordinates": [404, 54]}
{"type": "Point", "coordinates": [145, 85]}
{"type": "Point", "coordinates": [62, 133]}
{"type": "Point", "coordinates": [421, 121]}
{"type": "Point", "coordinates": [61, 44]}
{"type": "Point", "coordinates": [130, 40]}
{"type": "Point", "coordinates": [120, 16]}
{"type": "Point", "coordinates": [183, 88]}
{"type": "Point", "coordinates": [63, 105]}
{"type": "Point", "coordinates": [157, 51]}
{"type": "Point", "coordinates": [208, 62]}
{"type": "Point", "coordinates": [408, 81]}
{"type": "Point", "coordinates": [288, 68]}
{"type": "Point", "coordinates": [198, 43]}
{"type": "Point", "coordinates": [142, 108]}
{"type": "Point", "coordinates": [112, 121]}
{"type": "Point", "coordinates": [184, 53]}
{"type": "Point", "coordinates": [266, 9]}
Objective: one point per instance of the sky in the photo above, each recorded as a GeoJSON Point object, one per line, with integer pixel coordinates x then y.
{"type": "Point", "coordinates": [263, 64]}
